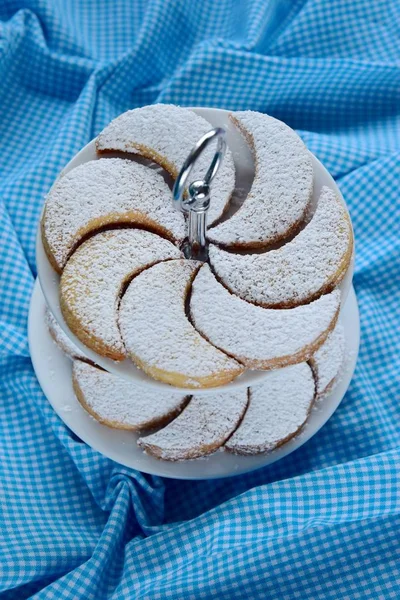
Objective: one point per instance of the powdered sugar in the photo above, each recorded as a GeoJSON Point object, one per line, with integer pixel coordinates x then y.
{"type": "Point", "coordinates": [278, 408]}
{"type": "Point", "coordinates": [100, 192]}
{"type": "Point", "coordinates": [282, 185]}
{"type": "Point", "coordinates": [312, 263]}
{"type": "Point", "coordinates": [259, 337]}
{"type": "Point", "coordinates": [328, 360]}
{"type": "Point", "coordinates": [201, 428]}
{"type": "Point", "coordinates": [120, 403]}
{"type": "Point", "coordinates": [93, 278]}
{"type": "Point", "coordinates": [158, 335]}
{"type": "Point", "coordinates": [166, 134]}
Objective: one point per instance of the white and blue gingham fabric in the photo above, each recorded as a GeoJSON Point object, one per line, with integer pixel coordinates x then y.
{"type": "Point", "coordinates": [322, 523]}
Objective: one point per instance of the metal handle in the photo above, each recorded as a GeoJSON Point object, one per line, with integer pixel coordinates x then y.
{"type": "Point", "coordinates": [198, 201]}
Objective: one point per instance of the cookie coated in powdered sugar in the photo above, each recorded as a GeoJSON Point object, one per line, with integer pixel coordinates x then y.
{"type": "Point", "coordinates": [108, 191]}
{"type": "Point", "coordinates": [166, 134]}
{"type": "Point", "coordinates": [121, 404]}
{"type": "Point", "coordinates": [159, 337]}
{"type": "Point", "coordinates": [282, 188]}
{"type": "Point", "coordinates": [313, 263]}
{"type": "Point", "coordinates": [328, 360]}
{"type": "Point", "coordinates": [201, 428]}
{"type": "Point", "coordinates": [61, 339]}
{"type": "Point", "coordinates": [260, 338]}
{"type": "Point", "coordinates": [94, 277]}
{"type": "Point", "coordinates": [278, 408]}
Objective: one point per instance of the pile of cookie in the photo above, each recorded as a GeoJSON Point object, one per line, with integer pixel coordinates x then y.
{"type": "Point", "coordinates": [266, 299]}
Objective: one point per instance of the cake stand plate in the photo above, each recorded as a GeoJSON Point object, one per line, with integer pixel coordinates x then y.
{"type": "Point", "coordinates": [53, 370]}
{"type": "Point", "coordinates": [244, 166]}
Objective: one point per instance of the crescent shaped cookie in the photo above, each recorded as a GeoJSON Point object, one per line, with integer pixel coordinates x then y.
{"type": "Point", "coordinates": [278, 408]}
{"type": "Point", "coordinates": [260, 338]}
{"type": "Point", "coordinates": [158, 335]}
{"type": "Point", "coordinates": [94, 278]}
{"type": "Point", "coordinates": [62, 340]}
{"type": "Point", "coordinates": [201, 428]}
{"type": "Point", "coordinates": [328, 359]}
{"type": "Point", "coordinates": [103, 192]}
{"type": "Point", "coordinates": [313, 263]}
{"type": "Point", "coordinates": [166, 134]}
{"type": "Point", "coordinates": [281, 190]}
{"type": "Point", "coordinates": [118, 403]}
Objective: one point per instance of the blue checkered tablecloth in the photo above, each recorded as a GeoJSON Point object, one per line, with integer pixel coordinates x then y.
{"type": "Point", "coordinates": [322, 523]}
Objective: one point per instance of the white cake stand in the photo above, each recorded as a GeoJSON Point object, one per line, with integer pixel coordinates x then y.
{"type": "Point", "coordinates": [53, 370]}
{"type": "Point", "coordinates": [244, 165]}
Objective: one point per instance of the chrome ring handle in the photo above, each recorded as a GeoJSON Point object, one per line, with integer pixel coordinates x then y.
{"type": "Point", "coordinates": [178, 193]}
{"type": "Point", "coordinates": [197, 202]}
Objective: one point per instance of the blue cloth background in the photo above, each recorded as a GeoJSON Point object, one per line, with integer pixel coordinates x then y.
{"type": "Point", "coordinates": [322, 523]}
